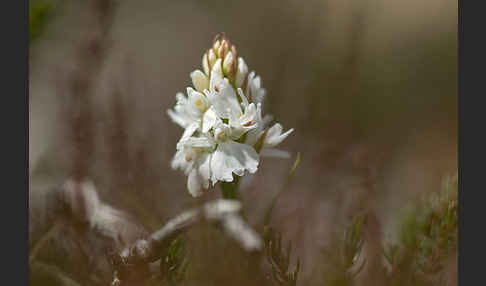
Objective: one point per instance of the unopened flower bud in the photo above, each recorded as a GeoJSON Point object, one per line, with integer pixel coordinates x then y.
{"type": "Point", "coordinates": [200, 80]}
{"type": "Point", "coordinates": [223, 49]}
{"type": "Point", "coordinates": [241, 72]}
{"type": "Point", "coordinates": [216, 45]}
{"type": "Point", "coordinates": [205, 63]}
{"type": "Point", "coordinates": [211, 58]}
{"type": "Point", "coordinates": [217, 68]}
{"type": "Point", "coordinates": [228, 64]}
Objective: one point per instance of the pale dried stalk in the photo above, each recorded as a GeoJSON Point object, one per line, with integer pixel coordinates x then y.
{"type": "Point", "coordinates": [222, 212]}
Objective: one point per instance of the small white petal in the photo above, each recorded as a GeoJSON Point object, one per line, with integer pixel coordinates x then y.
{"type": "Point", "coordinates": [179, 162]}
{"type": "Point", "coordinates": [201, 142]}
{"type": "Point", "coordinates": [254, 134]}
{"type": "Point", "coordinates": [177, 118]}
{"type": "Point", "coordinates": [209, 119]}
{"type": "Point", "coordinates": [244, 100]}
{"type": "Point", "coordinates": [254, 90]}
{"type": "Point", "coordinates": [274, 135]}
{"type": "Point", "coordinates": [217, 68]}
{"type": "Point", "coordinates": [194, 183]}
{"type": "Point", "coordinates": [215, 81]}
{"type": "Point", "coordinates": [181, 98]}
{"type": "Point", "coordinates": [241, 72]}
{"type": "Point", "coordinates": [205, 170]}
{"type": "Point", "coordinates": [189, 131]}
{"type": "Point", "coordinates": [197, 103]}
{"type": "Point", "coordinates": [248, 119]}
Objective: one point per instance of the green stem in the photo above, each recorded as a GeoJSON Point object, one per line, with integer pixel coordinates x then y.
{"type": "Point", "coordinates": [229, 190]}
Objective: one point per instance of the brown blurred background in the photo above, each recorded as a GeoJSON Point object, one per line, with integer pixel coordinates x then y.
{"type": "Point", "coordinates": [369, 86]}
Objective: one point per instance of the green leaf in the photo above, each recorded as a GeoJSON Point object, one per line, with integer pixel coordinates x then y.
{"type": "Point", "coordinates": [296, 163]}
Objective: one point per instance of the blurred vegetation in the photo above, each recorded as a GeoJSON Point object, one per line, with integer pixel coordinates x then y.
{"type": "Point", "coordinates": [40, 12]}
{"type": "Point", "coordinates": [341, 260]}
{"type": "Point", "coordinates": [279, 258]}
{"type": "Point", "coordinates": [176, 262]}
{"type": "Point", "coordinates": [428, 237]}
{"type": "Point", "coordinates": [427, 243]}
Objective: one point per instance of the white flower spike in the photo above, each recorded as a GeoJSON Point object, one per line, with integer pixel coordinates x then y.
{"type": "Point", "coordinates": [222, 121]}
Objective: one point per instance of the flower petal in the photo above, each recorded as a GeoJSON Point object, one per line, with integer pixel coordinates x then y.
{"type": "Point", "coordinates": [244, 99]}
{"type": "Point", "coordinates": [225, 102]}
{"type": "Point", "coordinates": [274, 135]}
{"type": "Point", "coordinates": [200, 80]}
{"type": "Point", "coordinates": [194, 183]}
{"type": "Point", "coordinates": [205, 170]}
{"type": "Point", "coordinates": [233, 157]}
{"type": "Point", "coordinates": [201, 142]}
{"type": "Point", "coordinates": [177, 118]}
{"type": "Point", "coordinates": [209, 119]}
{"type": "Point", "coordinates": [179, 162]}
{"type": "Point", "coordinates": [248, 119]}
{"type": "Point", "coordinates": [189, 130]}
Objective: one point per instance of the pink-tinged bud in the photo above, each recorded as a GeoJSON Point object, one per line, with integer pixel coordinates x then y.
{"type": "Point", "coordinates": [216, 45]}
{"type": "Point", "coordinates": [211, 58]}
{"type": "Point", "coordinates": [223, 48]}
{"type": "Point", "coordinates": [228, 64]}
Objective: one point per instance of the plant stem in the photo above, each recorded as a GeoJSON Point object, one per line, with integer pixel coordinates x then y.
{"type": "Point", "coordinates": [229, 190]}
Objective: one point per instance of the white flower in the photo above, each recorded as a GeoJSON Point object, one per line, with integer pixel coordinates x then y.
{"type": "Point", "coordinates": [274, 135]}
{"type": "Point", "coordinates": [241, 72]}
{"type": "Point", "coordinates": [230, 156]}
{"type": "Point", "coordinates": [222, 95]}
{"type": "Point", "coordinates": [189, 110]}
{"type": "Point", "coordinates": [254, 90]}
{"type": "Point", "coordinates": [192, 157]}
{"type": "Point", "coordinates": [222, 121]}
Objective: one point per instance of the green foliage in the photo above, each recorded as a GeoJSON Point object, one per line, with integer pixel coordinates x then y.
{"type": "Point", "coordinates": [279, 258]}
{"type": "Point", "coordinates": [428, 237]}
{"type": "Point", "coordinates": [173, 267]}
{"type": "Point", "coordinates": [342, 258]}
{"type": "Point", "coordinates": [353, 243]}
{"type": "Point", "coordinates": [40, 11]}
{"type": "Point", "coordinates": [295, 165]}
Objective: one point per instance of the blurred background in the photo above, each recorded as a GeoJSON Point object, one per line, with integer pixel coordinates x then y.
{"type": "Point", "coordinates": [370, 88]}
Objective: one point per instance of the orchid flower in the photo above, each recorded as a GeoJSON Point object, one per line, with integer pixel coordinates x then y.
{"type": "Point", "coordinates": [222, 121]}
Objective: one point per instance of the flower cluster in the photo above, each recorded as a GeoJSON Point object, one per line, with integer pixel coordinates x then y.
{"type": "Point", "coordinates": [224, 131]}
